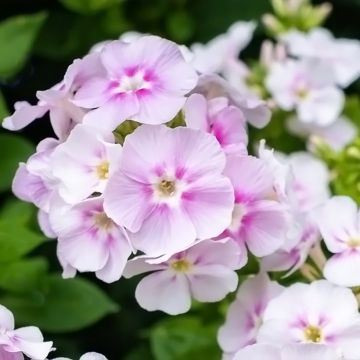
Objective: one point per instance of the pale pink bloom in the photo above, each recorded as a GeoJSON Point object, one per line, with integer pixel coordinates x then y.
{"type": "Point", "coordinates": [244, 315]}
{"type": "Point", "coordinates": [337, 135]}
{"type": "Point", "coordinates": [145, 80]}
{"type": "Point", "coordinates": [289, 352]}
{"type": "Point", "coordinates": [226, 122]}
{"type": "Point", "coordinates": [255, 110]}
{"type": "Point", "coordinates": [34, 181]}
{"type": "Point", "coordinates": [84, 162]}
{"type": "Point", "coordinates": [221, 53]}
{"type": "Point", "coordinates": [64, 115]}
{"type": "Point", "coordinates": [23, 341]}
{"type": "Point", "coordinates": [204, 272]}
{"type": "Point", "coordinates": [319, 43]}
{"type": "Point", "coordinates": [257, 220]}
{"type": "Point", "coordinates": [169, 190]}
{"type": "Point", "coordinates": [270, 53]}
{"type": "Point", "coordinates": [44, 224]}
{"type": "Point", "coordinates": [306, 86]}
{"type": "Point", "coordinates": [305, 189]}
{"type": "Point", "coordinates": [339, 224]}
{"type": "Point", "coordinates": [89, 356]}
{"type": "Point", "coordinates": [319, 313]}
{"type": "Point", "coordinates": [88, 240]}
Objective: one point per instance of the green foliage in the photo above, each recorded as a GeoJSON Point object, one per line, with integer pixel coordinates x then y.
{"type": "Point", "coordinates": [13, 149]}
{"type": "Point", "coordinates": [17, 211]}
{"type": "Point", "coordinates": [88, 6]}
{"type": "Point", "coordinates": [185, 337]}
{"type": "Point", "coordinates": [3, 107]}
{"type": "Point", "coordinates": [24, 275]}
{"type": "Point", "coordinates": [16, 241]}
{"type": "Point", "coordinates": [17, 35]}
{"type": "Point", "coordinates": [63, 305]}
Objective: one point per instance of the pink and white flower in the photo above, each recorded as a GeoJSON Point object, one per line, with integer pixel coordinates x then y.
{"type": "Point", "coordinates": [88, 240]}
{"type": "Point", "coordinates": [204, 272]}
{"type": "Point", "coordinates": [34, 181]}
{"type": "Point", "coordinates": [14, 343]}
{"type": "Point", "coordinates": [289, 352]}
{"type": "Point", "coordinates": [308, 87]}
{"type": "Point", "coordinates": [336, 135]}
{"type": "Point", "coordinates": [319, 313]}
{"type": "Point", "coordinates": [145, 80]}
{"type": "Point", "coordinates": [255, 110]}
{"type": "Point", "coordinates": [84, 162]}
{"type": "Point", "coordinates": [220, 54]}
{"type": "Point", "coordinates": [258, 222]}
{"type": "Point", "coordinates": [319, 43]}
{"type": "Point", "coordinates": [226, 122]}
{"type": "Point", "coordinates": [64, 114]}
{"type": "Point", "coordinates": [169, 189]}
{"type": "Point", "coordinates": [339, 225]}
{"type": "Point", "coordinates": [244, 315]}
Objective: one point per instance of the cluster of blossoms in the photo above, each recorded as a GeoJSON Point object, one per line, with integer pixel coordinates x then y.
{"type": "Point", "coordinates": [27, 341]}
{"type": "Point", "coordinates": [150, 172]}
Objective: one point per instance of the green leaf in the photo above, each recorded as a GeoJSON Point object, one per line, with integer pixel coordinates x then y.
{"type": "Point", "coordinates": [67, 305]}
{"type": "Point", "coordinates": [16, 241]}
{"type": "Point", "coordinates": [13, 149]}
{"type": "Point", "coordinates": [17, 35]}
{"type": "Point", "coordinates": [23, 275]}
{"type": "Point", "coordinates": [17, 211]}
{"type": "Point", "coordinates": [184, 338]}
{"type": "Point", "coordinates": [4, 111]}
{"type": "Point", "coordinates": [88, 6]}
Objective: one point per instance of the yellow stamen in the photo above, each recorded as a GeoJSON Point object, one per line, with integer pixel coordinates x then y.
{"type": "Point", "coordinates": [353, 243]}
{"type": "Point", "coordinates": [167, 187]}
{"type": "Point", "coordinates": [102, 221]}
{"type": "Point", "coordinates": [102, 170]}
{"type": "Point", "coordinates": [313, 334]}
{"type": "Point", "coordinates": [181, 265]}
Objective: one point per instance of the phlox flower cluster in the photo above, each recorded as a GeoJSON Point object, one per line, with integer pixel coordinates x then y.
{"type": "Point", "coordinates": [150, 172]}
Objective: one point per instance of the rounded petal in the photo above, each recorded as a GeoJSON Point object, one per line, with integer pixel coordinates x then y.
{"type": "Point", "coordinates": [343, 269]}
{"type": "Point", "coordinates": [260, 352]}
{"type": "Point", "coordinates": [6, 318]}
{"type": "Point", "coordinates": [211, 283]}
{"type": "Point", "coordinates": [165, 291]}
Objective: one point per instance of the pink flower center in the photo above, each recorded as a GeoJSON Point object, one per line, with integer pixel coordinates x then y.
{"type": "Point", "coordinates": [133, 82]}
{"type": "Point", "coordinates": [353, 243]}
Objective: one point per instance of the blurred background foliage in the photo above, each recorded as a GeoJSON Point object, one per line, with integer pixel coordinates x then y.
{"type": "Point", "coordinates": [38, 40]}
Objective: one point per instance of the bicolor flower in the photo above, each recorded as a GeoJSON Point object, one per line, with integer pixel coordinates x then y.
{"type": "Point", "coordinates": [339, 224]}
{"type": "Point", "coordinates": [169, 189]}
{"type": "Point", "coordinates": [220, 54]}
{"type": "Point", "coordinates": [336, 135]}
{"type": "Point", "coordinates": [226, 122]}
{"type": "Point", "coordinates": [319, 43]}
{"type": "Point", "coordinates": [57, 101]}
{"type": "Point", "coordinates": [34, 181]}
{"type": "Point", "coordinates": [88, 240]}
{"type": "Point", "coordinates": [84, 162]}
{"type": "Point", "coordinates": [204, 272]}
{"type": "Point", "coordinates": [145, 80]}
{"type": "Point", "coordinates": [258, 222]}
{"type": "Point", "coordinates": [306, 86]}
{"type": "Point", "coordinates": [255, 110]}
{"type": "Point", "coordinates": [23, 341]}
{"type": "Point", "coordinates": [319, 313]}
{"type": "Point", "coordinates": [289, 352]}
{"type": "Point", "coordinates": [244, 315]}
